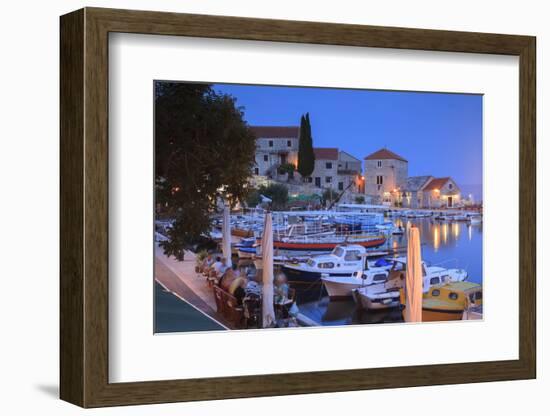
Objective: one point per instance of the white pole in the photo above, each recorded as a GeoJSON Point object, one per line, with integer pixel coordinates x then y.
{"type": "Point", "coordinates": [226, 235]}
{"type": "Point", "coordinates": [268, 312]}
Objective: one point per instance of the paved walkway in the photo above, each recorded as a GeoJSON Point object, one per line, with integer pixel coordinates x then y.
{"type": "Point", "coordinates": [180, 278]}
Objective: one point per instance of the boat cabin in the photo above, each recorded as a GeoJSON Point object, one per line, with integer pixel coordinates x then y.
{"type": "Point", "coordinates": [341, 256]}
{"type": "Point", "coordinates": [431, 275]}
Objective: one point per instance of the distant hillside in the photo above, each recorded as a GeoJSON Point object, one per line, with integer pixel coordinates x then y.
{"type": "Point", "coordinates": [475, 190]}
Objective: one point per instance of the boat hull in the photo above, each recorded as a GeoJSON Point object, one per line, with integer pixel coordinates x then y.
{"type": "Point", "coordinates": [340, 288]}
{"type": "Point", "coordinates": [246, 253]}
{"type": "Point", "coordinates": [295, 275]}
{"type": "Point", "coordinates": [373, 303]}
{"type": "Point", "coordinates": [240, 232]}
{"type": "Point", "coordinates": [439, 315]}
{"type": "Point", "coordinates": [293, 248]}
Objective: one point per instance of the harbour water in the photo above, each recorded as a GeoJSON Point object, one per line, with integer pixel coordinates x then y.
{"type": "Point", "coordinates": [448, 244]}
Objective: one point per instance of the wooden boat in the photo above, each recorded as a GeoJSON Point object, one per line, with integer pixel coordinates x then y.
{"type": "Point", "coordinates": [449, 301]}
{"type": "Point", "coordinates": [242, 232]}
{"type": "Point", "coordinates": [292, 247]}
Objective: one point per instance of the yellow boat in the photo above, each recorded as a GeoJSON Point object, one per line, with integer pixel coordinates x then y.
{"type": "Point", "coordinates": [448, 302]}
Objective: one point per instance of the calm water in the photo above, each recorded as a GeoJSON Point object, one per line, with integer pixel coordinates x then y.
{"type": "Point", "coordinates": [448, 244]}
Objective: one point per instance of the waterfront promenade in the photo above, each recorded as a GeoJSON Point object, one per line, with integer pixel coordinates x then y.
{"type": "Point", "coordinates": [179, 277]}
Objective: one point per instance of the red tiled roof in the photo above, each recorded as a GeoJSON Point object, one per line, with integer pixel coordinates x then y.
{"type": "Point", "coordinates": [436, 183]}
{"type": "Point", "coordinates": [326, 153]}
{"type": "Point", "coordinates": [276, 131]}
{"type": "Point", "coordinates": [384, 154]}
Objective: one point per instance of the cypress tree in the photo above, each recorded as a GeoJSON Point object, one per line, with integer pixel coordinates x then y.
{"type": "Point", "coordinates": [306, 156]}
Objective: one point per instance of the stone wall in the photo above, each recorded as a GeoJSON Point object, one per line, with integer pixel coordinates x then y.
{"type": "Point", "coordinates": [394, 175]}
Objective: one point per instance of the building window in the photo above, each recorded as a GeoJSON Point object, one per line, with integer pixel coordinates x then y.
{"type": "Point", "coordinates": [266, 158]}
{"type": "Point", "coordinates": [271, 143]}
{"type": "Point", "coordinates": [328, 165]}
{"type": "Point", "coordinates": [340, 186]}
{"type": "Point", "coordinates": [289, 143]}
{"type": "Point", "coordinates": [379, 163]}
{"type": "Point", "coordinates": [309, 179]}
{"type": "Point", "coordinates": [450, 186]}
{"type": "Point", "coordinates": [256, 171]}
{"type": "Point", "coordinates": [379, 180]}
{"type": "Point", "coordinates": [328, 179]}
{"type": "Point", "coordinates": [318, 182]}
{"type": "Point", "coordinates": [379, 186]}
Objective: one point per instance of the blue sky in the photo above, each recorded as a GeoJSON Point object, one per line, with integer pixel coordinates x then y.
{"type": "Point", "coordinates": [439, 134]}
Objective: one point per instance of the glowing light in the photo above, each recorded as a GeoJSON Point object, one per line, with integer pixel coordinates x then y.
{"type": "Point", "coordinates": [456, 230]}
{"type": "Point", "coordinates": [437, 238]}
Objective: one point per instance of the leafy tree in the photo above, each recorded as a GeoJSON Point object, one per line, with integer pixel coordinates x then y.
{"type": "Point", "coordinates": [360, 199]}
{"type": "Point", "coordinates": [277, 192]}
{"type": "Point", "coordinates": [328, 196]}
{"type": "Point", "coordinates": [253, 198]}
{"type": "Point", "coordinates": [306, 156]}
{"type": "Point", "coordinates": [204, 151]}
{"type": "Point", "coordinates": [287, 168]}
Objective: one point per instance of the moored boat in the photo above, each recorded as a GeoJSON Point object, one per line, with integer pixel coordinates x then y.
{"type": "Point", "coordinates": [246, 252]}
{"type": "Point", "coordinates": [339, 287]}
{"type": "Point", "coordinates": [387, 295]}
{"type": "Point", "coordinates": [376, 297]}
{"type": "Point", "coordinates": [343, 261]}
{"type": "Point", "coordinates": [449, 301]}
{"type": "Point", "coordinates": [311, 246]}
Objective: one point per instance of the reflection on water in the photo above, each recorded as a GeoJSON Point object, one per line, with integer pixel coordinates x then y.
{"type": "Point", "coordinates": [345, 312]}
{"type": "Point", "coordinates": [449, 245]}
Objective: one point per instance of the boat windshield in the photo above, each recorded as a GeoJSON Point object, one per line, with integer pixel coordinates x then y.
{"type": "Point", "coordinates": [353, 255]}
{"type": "Point", "coordinates": [338, 251]}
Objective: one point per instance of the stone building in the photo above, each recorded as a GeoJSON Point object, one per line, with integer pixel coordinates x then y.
{"type": "Point", "coordinates": [429, 192]}
{"type": "Point", "coordinates": [350, 173]}
{"type": "Point", "coordinates": [412, 196]}
{"type": "Point", "coordinates": [385, 173]}
{"type": "Point", "coordinates": [441, 193]}
{"type": "Point", "coordinates": [325, 172]}
{"type": "Point", "coordinates": [275, 146]}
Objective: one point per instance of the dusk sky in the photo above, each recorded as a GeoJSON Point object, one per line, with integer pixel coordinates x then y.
{"type": "Point", "coordinates": [439, 134]}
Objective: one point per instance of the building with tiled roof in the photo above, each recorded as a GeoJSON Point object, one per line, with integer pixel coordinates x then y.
{"type": "Point", "coordinates": [441, 192]}
{"type": "Point", "coordinates": [385, 173]}
{"type": "Point", "coordinates": [385, 154]}
{"type": "Point", "coordinates": [387, 181]}
{"type": "Point", "coordinates": [276, 132]}
{"type": "Point", "coordinates": [436, 184]}
{"type": "Point", "coordinates": [334, 169]}
{"type": "Point", "coordinates": [275, 146]}
{"type": "Point", "coordinates": [326, 153]}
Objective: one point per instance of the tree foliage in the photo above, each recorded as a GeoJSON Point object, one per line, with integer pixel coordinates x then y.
{"type": "Point", "coordinates": [287, 168]}
{"type": "Point", "coordinates": [277, 192]}
{"type": "Point", "coordinates": [306, 156]}
{"type": "Point", "coordinates": [204, 151]}
{"type": "Point", "coordinates": [328, 196]}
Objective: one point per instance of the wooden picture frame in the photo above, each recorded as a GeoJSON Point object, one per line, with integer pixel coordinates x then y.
{"type": "Point", "coordinates": [84, 207]}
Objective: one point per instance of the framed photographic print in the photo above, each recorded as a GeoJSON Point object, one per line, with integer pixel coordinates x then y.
{"type": "Point", "coordinates": [258, 207]}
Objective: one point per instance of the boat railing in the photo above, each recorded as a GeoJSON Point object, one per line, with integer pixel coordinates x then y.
{"type": "Point", "coordinates": [441, 263]}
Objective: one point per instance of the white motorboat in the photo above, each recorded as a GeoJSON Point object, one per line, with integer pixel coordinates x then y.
{"type": "Point", "coordinates": [343, 261]}
{"type": "Point", "coordinates": [475, 219]}
{"type": "Point", "coordinates": [386, 295]}
{"type": "Point", "coordinates": [376, 297]}
{"type": "Point", "coordinates": [390, 228]}
{"type": "Point", "coordinates": [342, 286]}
